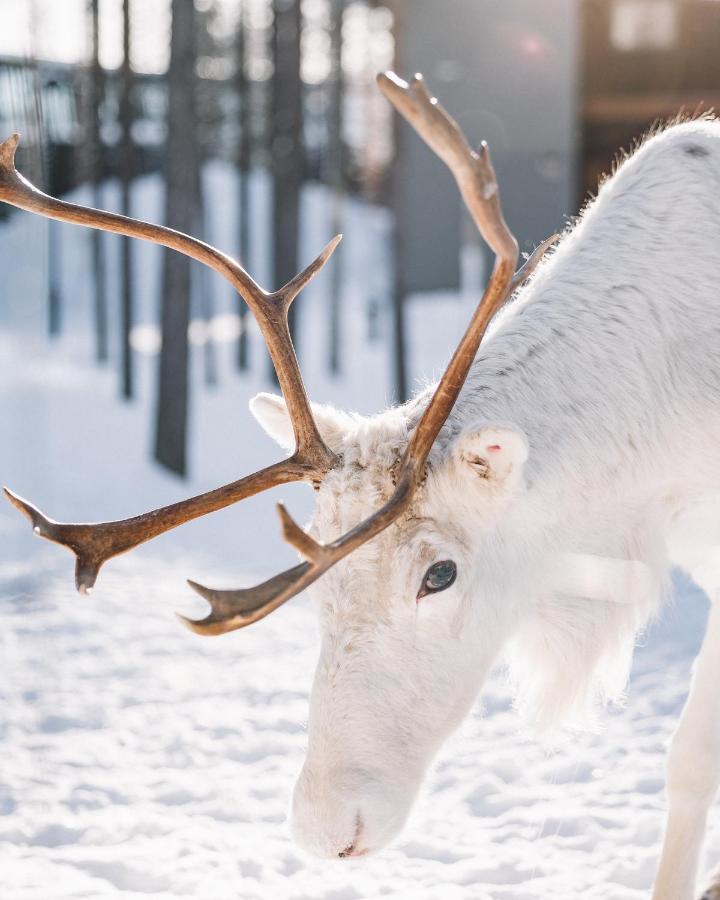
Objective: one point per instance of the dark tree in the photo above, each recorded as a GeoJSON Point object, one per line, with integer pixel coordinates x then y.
{"type": "Point", "coordinates": [95, 163]}
{"type": "Point", "coordinates": [42, 159]}
{"type": "Point", "coordinates": [335, 179]}
{"type": "Point", "coordinates": [244, 156]}
{"type": "Point", "coordinates": [286, 149]}
{"type": "Point", "coordinates": [54, 256]}
{"type": "Point", "coordinates": [203, 284]}
{"type": "Point", "coordinates": [181, 213]}
{"type": "Point", "coordinates": [126, 177]}
{"type": "Point", "coordinates": [212, 46]}
{"type": "Point", "coordinates": [399, 286]}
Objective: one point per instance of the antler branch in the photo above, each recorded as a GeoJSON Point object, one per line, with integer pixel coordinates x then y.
{"type": "Point", "coordinates": [95, 543]}
{"type": "Point", "coordinates": [476, 179]}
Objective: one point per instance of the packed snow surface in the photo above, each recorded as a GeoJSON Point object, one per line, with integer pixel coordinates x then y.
{"type": "Point", "coordinates": [138, 760]}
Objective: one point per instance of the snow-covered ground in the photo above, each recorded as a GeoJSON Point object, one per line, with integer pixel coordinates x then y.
{"type": "Point", "coordinates": [140, 761]}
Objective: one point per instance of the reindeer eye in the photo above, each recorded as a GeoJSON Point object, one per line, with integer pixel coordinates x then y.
{"type": "Point", "coordinates": [438, 577]}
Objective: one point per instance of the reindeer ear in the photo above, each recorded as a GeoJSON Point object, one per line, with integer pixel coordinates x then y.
{"type": "Point", "coordinates": [271, 412]}
{"type": "Point", "coordinates": [492, 454]}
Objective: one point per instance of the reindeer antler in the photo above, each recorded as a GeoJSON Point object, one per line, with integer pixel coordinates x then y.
{"type": "Point", "coordinates": [312, 459]}
{"type": "Point", "coordinates": [93, 544]}
{"type": "Point", "coordinates": [475, 177]}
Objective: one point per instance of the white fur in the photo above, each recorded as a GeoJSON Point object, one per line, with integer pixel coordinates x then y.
{"type": "Point", "coordinates": [562, 524]}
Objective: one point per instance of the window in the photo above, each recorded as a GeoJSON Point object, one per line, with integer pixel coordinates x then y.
{"type": "Point", "coordinates": [643, 24]}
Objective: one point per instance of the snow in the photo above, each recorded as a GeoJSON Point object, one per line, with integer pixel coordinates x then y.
{"type": "Point", "coordinates": [138, 760]}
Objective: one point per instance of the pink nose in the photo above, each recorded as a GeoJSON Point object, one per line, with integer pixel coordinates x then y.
{"type": "Point", "coordinates": [326, 820]}
{"type": "Point", "coordinates": [354, 849]}
{"type": "Point", "coordinates": [348, 812]}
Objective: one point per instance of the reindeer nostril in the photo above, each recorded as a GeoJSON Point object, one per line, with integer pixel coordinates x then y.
{"type": "Point", "coordinates": [350, 849]}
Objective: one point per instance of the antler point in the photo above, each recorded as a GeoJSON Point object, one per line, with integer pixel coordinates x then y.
{"type": "Point", "coordinates": [332, 244]}
{"type": "Point", "coordinates": [285, 518]}
{"type": "Point", "coordinates": [23, 506]}
{"type": "Point", "coordinates": [419, 89]}
{"type": "Point", "coordinates": [207, 627]}
{"type": "Point", "coordinates": [8, 148]}
{"type": "Point", "coordinates": [190, 624]}
{"type": "Point", "coordinates": [387, 75]}
{"type": "Point", "coordinates": [85, 576]}
{"type": "Point", "coordinates": [390, 83]}
{"type": "Point", "coordinates": [197, 626]}
{"type": "Point", "coordinates": [297, 537]}
{"type": "Point", "coordinates": [198, 588]}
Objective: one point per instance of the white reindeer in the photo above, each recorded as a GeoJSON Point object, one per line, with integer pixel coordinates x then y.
{"type": "Point", "coordinates": [536, 514]}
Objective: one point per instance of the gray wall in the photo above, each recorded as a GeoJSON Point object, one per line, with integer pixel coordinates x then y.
{"type": "Point", "coordinates": [507, 70]}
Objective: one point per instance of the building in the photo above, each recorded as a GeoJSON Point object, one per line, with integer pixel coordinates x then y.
{"type": "Point", "coordinates": [556, 88]}
{"type": "Point", "coordinates": [509, 73]}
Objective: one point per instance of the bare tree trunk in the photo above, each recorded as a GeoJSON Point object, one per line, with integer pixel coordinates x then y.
{"type": "Point", "coordinates": [126, 176]}
{"type": "Point", "coordinates": [182, 214]}
{"type": "Point", "coordinates": [95, 99]}
{"type": "Point", "coordinates": [54, 289]}
{"type": "Point", "coordinates": [244, 156]}
{"type": "Point", "coordinates": [287, 160]}
{"type": "Point", "coordinates": [44, 153]}
{"type": "Point", "coordinates": [335, 179]}
{"type": "Point", "coordinates": [399, 287]}
{"type": "Point", "coordinates": [204, 285]}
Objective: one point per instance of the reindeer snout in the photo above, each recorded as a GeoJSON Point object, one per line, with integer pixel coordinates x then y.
{"type": "Point", "coordinates": [326, 820]}
{"type": "Point", "coordinates": [343, 813]}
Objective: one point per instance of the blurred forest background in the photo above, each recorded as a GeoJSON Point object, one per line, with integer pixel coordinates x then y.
{"type": "Point", "coordinates": [252, 116]}
{"type": "Point", "coordinates": [138, 759]}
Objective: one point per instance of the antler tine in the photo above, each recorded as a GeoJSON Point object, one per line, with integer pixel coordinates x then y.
{"type": "Point", "coordinates": [272, 316]}
{"type": "Point", "coordinates": [290, 291]}
{"type": "Point", "coordinates": [94, 543]}
{"type": "Point", "coordinates": [233, 609]}
{"type": "Point", "coordinates": [475, 177]}
{"type": "Point", "coordinates": [473, 172]}
{"type": "Point", "coordinates": [298, 538]}
{"type": "Point", "coordinates": [236, 609]}
{"type": "Point", "coordinates": [7, 151]}
{"type": "Point", "coordinates": [18, 191]}
{"type": "Point", "coordinates": [531, 263]}
{"type": "Point", "coordinates": [270, 309]}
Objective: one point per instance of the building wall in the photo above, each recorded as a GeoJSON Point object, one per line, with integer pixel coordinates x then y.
{"type": "Point", "coordinates": [508, 72]}
{"type": "Point", "coordinates": [643, 62]}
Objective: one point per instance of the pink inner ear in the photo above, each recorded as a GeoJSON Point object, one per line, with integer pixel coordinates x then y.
{"type": "Point", "coordinates": [494, 447]}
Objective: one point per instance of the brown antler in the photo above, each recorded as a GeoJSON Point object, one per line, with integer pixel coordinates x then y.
{"type": "Point", "coordinates": [475, 176]}
{"type": "Point", "coordinates": [93, 544]}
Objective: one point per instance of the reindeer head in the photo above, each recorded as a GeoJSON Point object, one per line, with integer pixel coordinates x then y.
{"type": "Point", "coordinates": [403, 646]}
{"type": "Point", "coordinates": [401, 656]}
